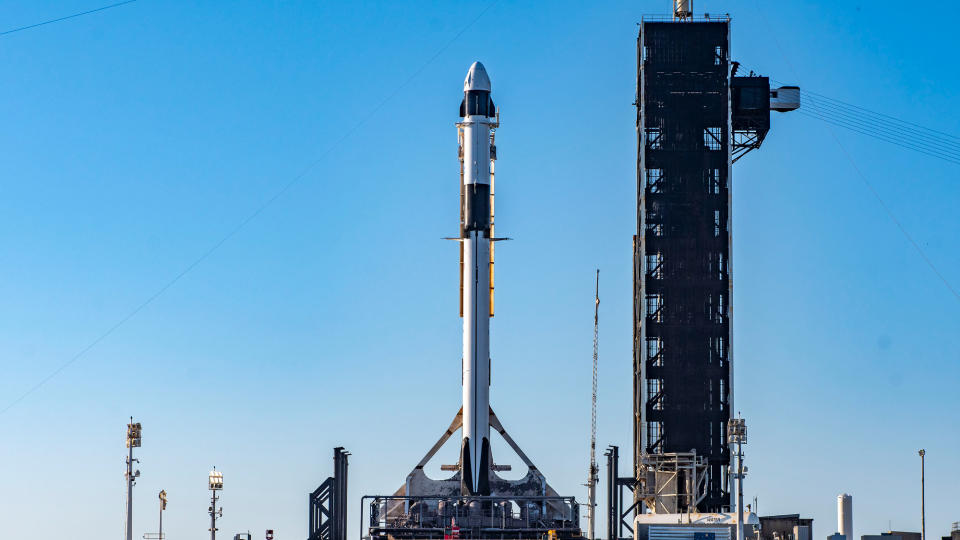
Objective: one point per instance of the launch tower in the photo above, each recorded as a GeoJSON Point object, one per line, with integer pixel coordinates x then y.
{"type": "Point", "coordinates": [695, 117]}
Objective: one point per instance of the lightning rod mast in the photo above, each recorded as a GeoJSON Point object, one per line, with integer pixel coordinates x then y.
{"type": "Point", "coordinates": [593, 473]}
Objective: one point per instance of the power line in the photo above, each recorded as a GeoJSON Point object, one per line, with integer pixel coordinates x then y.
{"type": "Point", "coordinates": [250, 217]}
{"type": "Point", "coordinates": [51, 21]}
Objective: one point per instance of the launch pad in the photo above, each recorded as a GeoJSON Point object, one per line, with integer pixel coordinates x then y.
{"type": "Point", "coordinates": [695, 118]}
{"type": "Point", "coordinates": [472, 517]}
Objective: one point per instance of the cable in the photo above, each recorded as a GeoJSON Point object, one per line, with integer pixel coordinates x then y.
{"type": "Point", "coordinates": [941, 143]}
{"type": "Point", "coordinates": [917, 137]}
{"type": "Point", "coordinates": [893, 217]}
{"type": "Point", "coordinates": [881, 136]}
{"type": "Point", "coordinates": [865, 131]}
{"type": "Point", "coordinates": [862, 176]}
{"type": "Point", "coordinates": [879, 120]}
{"type": "Point", "coordinates": [253, 215]}
{"type": "Point", "coordinates": [881, 126]}
{"type": "Point", "coordinates": [51, 21]}
{"type": "Point", "coordinates": [887, 124]}
{"type": "Point", "coordinates": [882, 114]}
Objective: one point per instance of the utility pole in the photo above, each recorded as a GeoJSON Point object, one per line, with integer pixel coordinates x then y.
{"type": "Point", "coordinates": [737, 434]}
{"type": "Point", "coordinates": [593, 473]}
{"type": "Point", "coordinates": [216, 484]}
{"type": "Point", "coordinates": [163, 506]}
{"type": "Point", "coordinates": [923, 510]}
{"type": "Point", "coordinates": [133, 441]}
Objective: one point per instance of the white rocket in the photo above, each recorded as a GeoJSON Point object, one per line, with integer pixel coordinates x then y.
{"type": "Point", "coordinates": [476, 471]}
{"type": "Point", "coordinates": [478, 118]}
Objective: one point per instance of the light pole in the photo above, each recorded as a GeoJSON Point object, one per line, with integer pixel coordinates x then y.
{"type": "Point", "coordinates": [737, 434]}
{"type": "Point", "coordinates": [133, 441]}
{"type": "Point", "coordinates": [216, 484]}
{"type": "Point", "coordinates": [923, 510]}
{"type": "Point", "coordinates": [163, 506]}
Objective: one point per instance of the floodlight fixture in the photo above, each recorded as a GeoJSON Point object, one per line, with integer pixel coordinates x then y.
{"type": "Point", "coordinates": [133, 434]}
{"type": "Point", "coordinates": [216, 480]}
{"type": "Point", "coordinates": [737, 431]}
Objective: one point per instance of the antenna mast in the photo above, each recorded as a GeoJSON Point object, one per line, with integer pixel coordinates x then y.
{"type": "Point", "coordinates": [593, 473]}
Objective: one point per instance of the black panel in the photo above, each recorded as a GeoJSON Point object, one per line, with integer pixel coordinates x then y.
{"type": "Point", "coordinates": [477, 102]}
{"type": "Point", "coordinates": [477, 211]}
{"type": "Point", "coordinates": [751, 103]}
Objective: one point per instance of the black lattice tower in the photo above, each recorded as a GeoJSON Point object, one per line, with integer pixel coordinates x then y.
{"type": "Point", "coordinates": [683, 371]}
{"type": "Point", "coordinates": [695, 118]}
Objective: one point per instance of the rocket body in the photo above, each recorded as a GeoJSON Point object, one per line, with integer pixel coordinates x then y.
{"type": "Point", "coordinates": [477, 113]}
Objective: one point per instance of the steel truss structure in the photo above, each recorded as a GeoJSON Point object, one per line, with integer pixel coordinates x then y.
{"type": "Point", "coordinates": [750, 118]}
{"type": "Point", "coordinates": [672, 482]}
{"type": "Point", "coordinates": [682, 369]}
{"type": "Point", "coordinates": [328, 503]}
{"type": "Point", "coordinates": [694, 119]}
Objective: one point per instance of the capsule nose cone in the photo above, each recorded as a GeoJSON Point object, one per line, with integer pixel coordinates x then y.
{"type": "Point", "coordinates": [477, 78]}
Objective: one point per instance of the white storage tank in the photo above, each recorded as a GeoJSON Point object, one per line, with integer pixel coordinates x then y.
{"type": "Point", "coordinates": [845, 515]}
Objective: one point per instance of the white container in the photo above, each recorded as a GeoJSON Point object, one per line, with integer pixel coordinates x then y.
{"type": "Point", "coordinates": [785, 98]}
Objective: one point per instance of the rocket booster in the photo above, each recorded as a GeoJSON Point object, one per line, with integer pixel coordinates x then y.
{"type": "Point", "coordinates": [478, 115]}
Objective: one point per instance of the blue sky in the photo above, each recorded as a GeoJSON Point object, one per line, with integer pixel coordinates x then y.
{"type": "Point", "coordinates": [137, 138]}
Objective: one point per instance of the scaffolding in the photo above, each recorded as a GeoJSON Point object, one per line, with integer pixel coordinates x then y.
{"type": "Point", "coordinates": [673, 483]}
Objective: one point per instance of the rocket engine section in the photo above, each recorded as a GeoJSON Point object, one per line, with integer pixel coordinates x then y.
{"type": "Point", "coordinates": [478, 119]}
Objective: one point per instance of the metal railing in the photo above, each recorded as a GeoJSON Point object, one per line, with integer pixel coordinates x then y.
{"type": "Point", "coordinates": [691, 19]}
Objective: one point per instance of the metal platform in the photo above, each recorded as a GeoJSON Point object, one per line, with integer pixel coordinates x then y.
{"type": "Point", "coordinates": [396, 517]}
